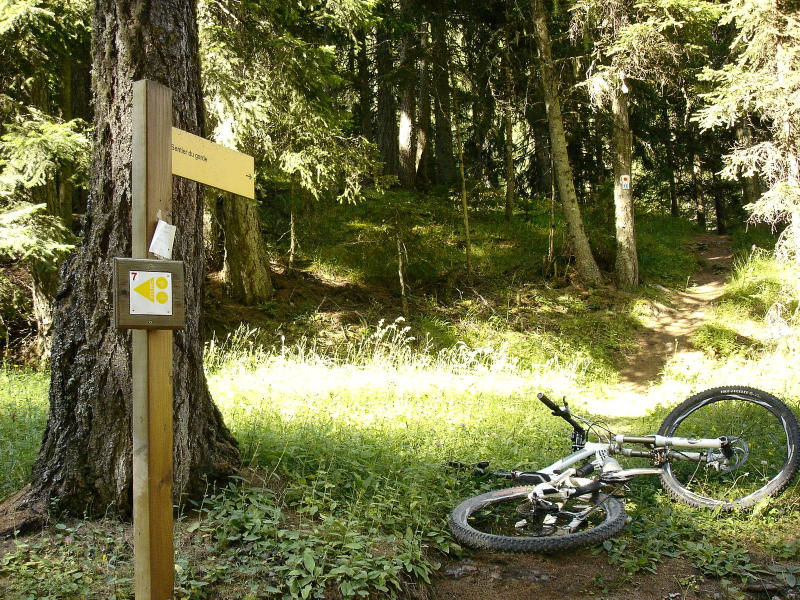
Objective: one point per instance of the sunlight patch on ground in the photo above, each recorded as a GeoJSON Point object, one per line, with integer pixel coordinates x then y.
{"type": "Point", "coordinates": [295, 388]}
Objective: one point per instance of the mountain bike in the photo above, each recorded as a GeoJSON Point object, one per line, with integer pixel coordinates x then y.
{"type": "Point", "coordinates": [725, 448]}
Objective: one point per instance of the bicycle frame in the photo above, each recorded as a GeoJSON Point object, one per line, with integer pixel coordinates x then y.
{"type": "Point", "coordinates": [562, 481]}
{"type": "Point", "coordinates": [655, 441]}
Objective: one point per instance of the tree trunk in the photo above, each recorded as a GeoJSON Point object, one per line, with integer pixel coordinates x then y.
{"type": "Point", "coordinates": [751, 188]}
{"type": "Point", "coordinates": [43, 291]}
{"type": "Point", "coordinates": [292, 218]}
{"type": "Point", "coordinates": [482, 48]}
{"type": "Point", "coordinates": [85, 462]}
{"type": "Point", "coordinates": [599, 166]}
{"type": "Point", "coordinates": [387, 104]}
{"type": "Point", "coordinates": [213, 236]}
{"type": "Point", "coordinates": [586, 265]}
{"type": "Point", "coordinates": [65, 185]}
{"type": "Point", "coordinates": [445, 167]}
{"type": "Point", "coordinates": [464, 205]}
{"type": "Point", "coordinates": [719, 204]}
{"type": "Point", "coordinates": [365, 118]}
{"type": "Point", "coordinates": [551, 233]}
{"type": "Point", "coordinates": [674, 209]}
{"type": "Point", "coordinates": [627, 263]}
{"type": "Point", "coordinates": [697, 189]}
{"type": "Point", "coordinates": [246, 260]}
{"type": "Point", "coordinates": [537, 121]}
{"type": "Point", "coordinates": [47, 193]}
{"type": "Point", "coordinates": [424, 114]}
{"type": "Point", "coordinates": [508, 128]}
{"type": "Point", "coordinates": [407, 141]}
{"type": "Point", "coordinates": [577, 147]}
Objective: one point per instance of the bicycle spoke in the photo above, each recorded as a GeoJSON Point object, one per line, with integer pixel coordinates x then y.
{"type": "Point", "coordinates": [752, 429]}
{"type": "Point", "coordinates": [512, 518]}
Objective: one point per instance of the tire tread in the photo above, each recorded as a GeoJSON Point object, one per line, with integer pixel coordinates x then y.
{"type": "Point", "coordinates": [670, 484]}
{"type": "Point", "coordinates": [468, 536]}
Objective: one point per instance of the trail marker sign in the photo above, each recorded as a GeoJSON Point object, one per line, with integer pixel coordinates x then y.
{"type": "Point", "coordinates": [152, 292]}
{"type": "Point", "coordinates": [625, 180]}
{"type": "Point", "coordinates": [149, 298]}
{"type": "Point", "coordinates": [148, 294]}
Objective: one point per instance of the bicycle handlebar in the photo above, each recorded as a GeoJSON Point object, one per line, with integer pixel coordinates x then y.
{"type": "Point", "coordinates": [560, 412]}
{"type": "Point", "coordinates": [547, 402]}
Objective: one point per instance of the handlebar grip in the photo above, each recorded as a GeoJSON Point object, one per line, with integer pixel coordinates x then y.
{"type": "Point", "coordinates": [547, 402]}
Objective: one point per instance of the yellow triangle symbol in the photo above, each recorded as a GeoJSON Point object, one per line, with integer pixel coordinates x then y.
{"type": "Point", "coordinates": [146, 289]}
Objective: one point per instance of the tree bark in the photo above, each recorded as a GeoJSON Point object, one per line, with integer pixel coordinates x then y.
{"type": "Point", "coordinates": [213, 236]}
{"type": "Point", "coordinates": [292, 219]}
{"type": "Point", "coordinates": [508, 128]}
{"type": "Point", "coordinates": [65, 185]}
{"type": "Point", "coordinates": [751, 188]}
{"type": "Point", "coordinates": [387, 104]}
{"type": "Point", "coordinates": [537, 121]}
{"type": "Point", "coordinates": [674, 209]}
{"type": "Point", "coordinates": [43, 290]}
{"type": "Point", "coordinates": [585, 263]}
{"type": "Point", "coordinates": [85, 462]}
{"type": "Point", "coordinates": [365, 108]}
{"type": "Point", "coordinates": [424, 114]}
{"type": "Point", "coordinates": [246, 260]}
{"type": "Point", "coordinates": [627, 263]}
{"type": "Point", "coordinates": [445, 166]}
{"type": "Point", "coordinates": [719, 205]}
{"type": "Point", "coordinates": [697, 190]}
{"type": "Point", "coordinates": [599, 170]}
{"type": "Point", "coordinates": [482, 47]}
{"type": "Point", "coordinates": [407, 141]}
{"type": "Point", "coordinates": [464, 204]}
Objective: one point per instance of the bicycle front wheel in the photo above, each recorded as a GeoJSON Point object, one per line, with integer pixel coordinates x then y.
{"type": "Point", "coordinates": [764, 436]}
{"type": "Point", "coordinates": [506, 521]}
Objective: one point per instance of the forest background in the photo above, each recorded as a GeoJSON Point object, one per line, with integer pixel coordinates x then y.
{"type": "Point", "coordinates": [440, 196]}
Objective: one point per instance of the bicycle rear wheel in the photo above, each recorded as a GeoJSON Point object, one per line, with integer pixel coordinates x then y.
{"type": "Point", "coordinates": [506, 521]}
{"type": "Point", "coordinates": [764, 438]}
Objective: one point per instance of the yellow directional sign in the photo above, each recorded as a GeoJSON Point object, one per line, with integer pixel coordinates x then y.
{"type": "Point", "coordinates": [198, 159]}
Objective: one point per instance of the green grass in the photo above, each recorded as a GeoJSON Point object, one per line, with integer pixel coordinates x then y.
{"type": "Point", "coordinates": [759, 282]}
{"type": "Point", "coordinates": [23, 413]}
{"type": "Point", "coordinates": [359, 243]}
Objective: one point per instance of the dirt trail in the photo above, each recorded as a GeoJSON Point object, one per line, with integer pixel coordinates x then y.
{"type": "Point", "coordinates": [578, 575]}
{"type": "Point", "coordinates": [670, 327]}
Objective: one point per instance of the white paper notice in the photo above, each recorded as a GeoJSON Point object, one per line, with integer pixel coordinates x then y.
{"type": "Point", "coordinates": [151, 293]}
{"type": "Point", "coordinates": [163, 239]}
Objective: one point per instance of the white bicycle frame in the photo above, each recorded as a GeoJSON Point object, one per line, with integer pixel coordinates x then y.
{"type": "Point", "coordinates": [562, 476]}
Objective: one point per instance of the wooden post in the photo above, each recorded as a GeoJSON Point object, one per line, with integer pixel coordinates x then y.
{"type": "Point", "coordinates": [152, 354]}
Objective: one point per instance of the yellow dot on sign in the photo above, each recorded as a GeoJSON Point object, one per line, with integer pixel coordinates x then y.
{"type": "Point", "coordinates": [162, 297]}
{"type": "Point", "coordinates": [161, 282]}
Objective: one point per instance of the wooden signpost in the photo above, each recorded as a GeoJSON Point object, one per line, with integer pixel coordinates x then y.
{"type": "Point", "coordinates": [149, 299]}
